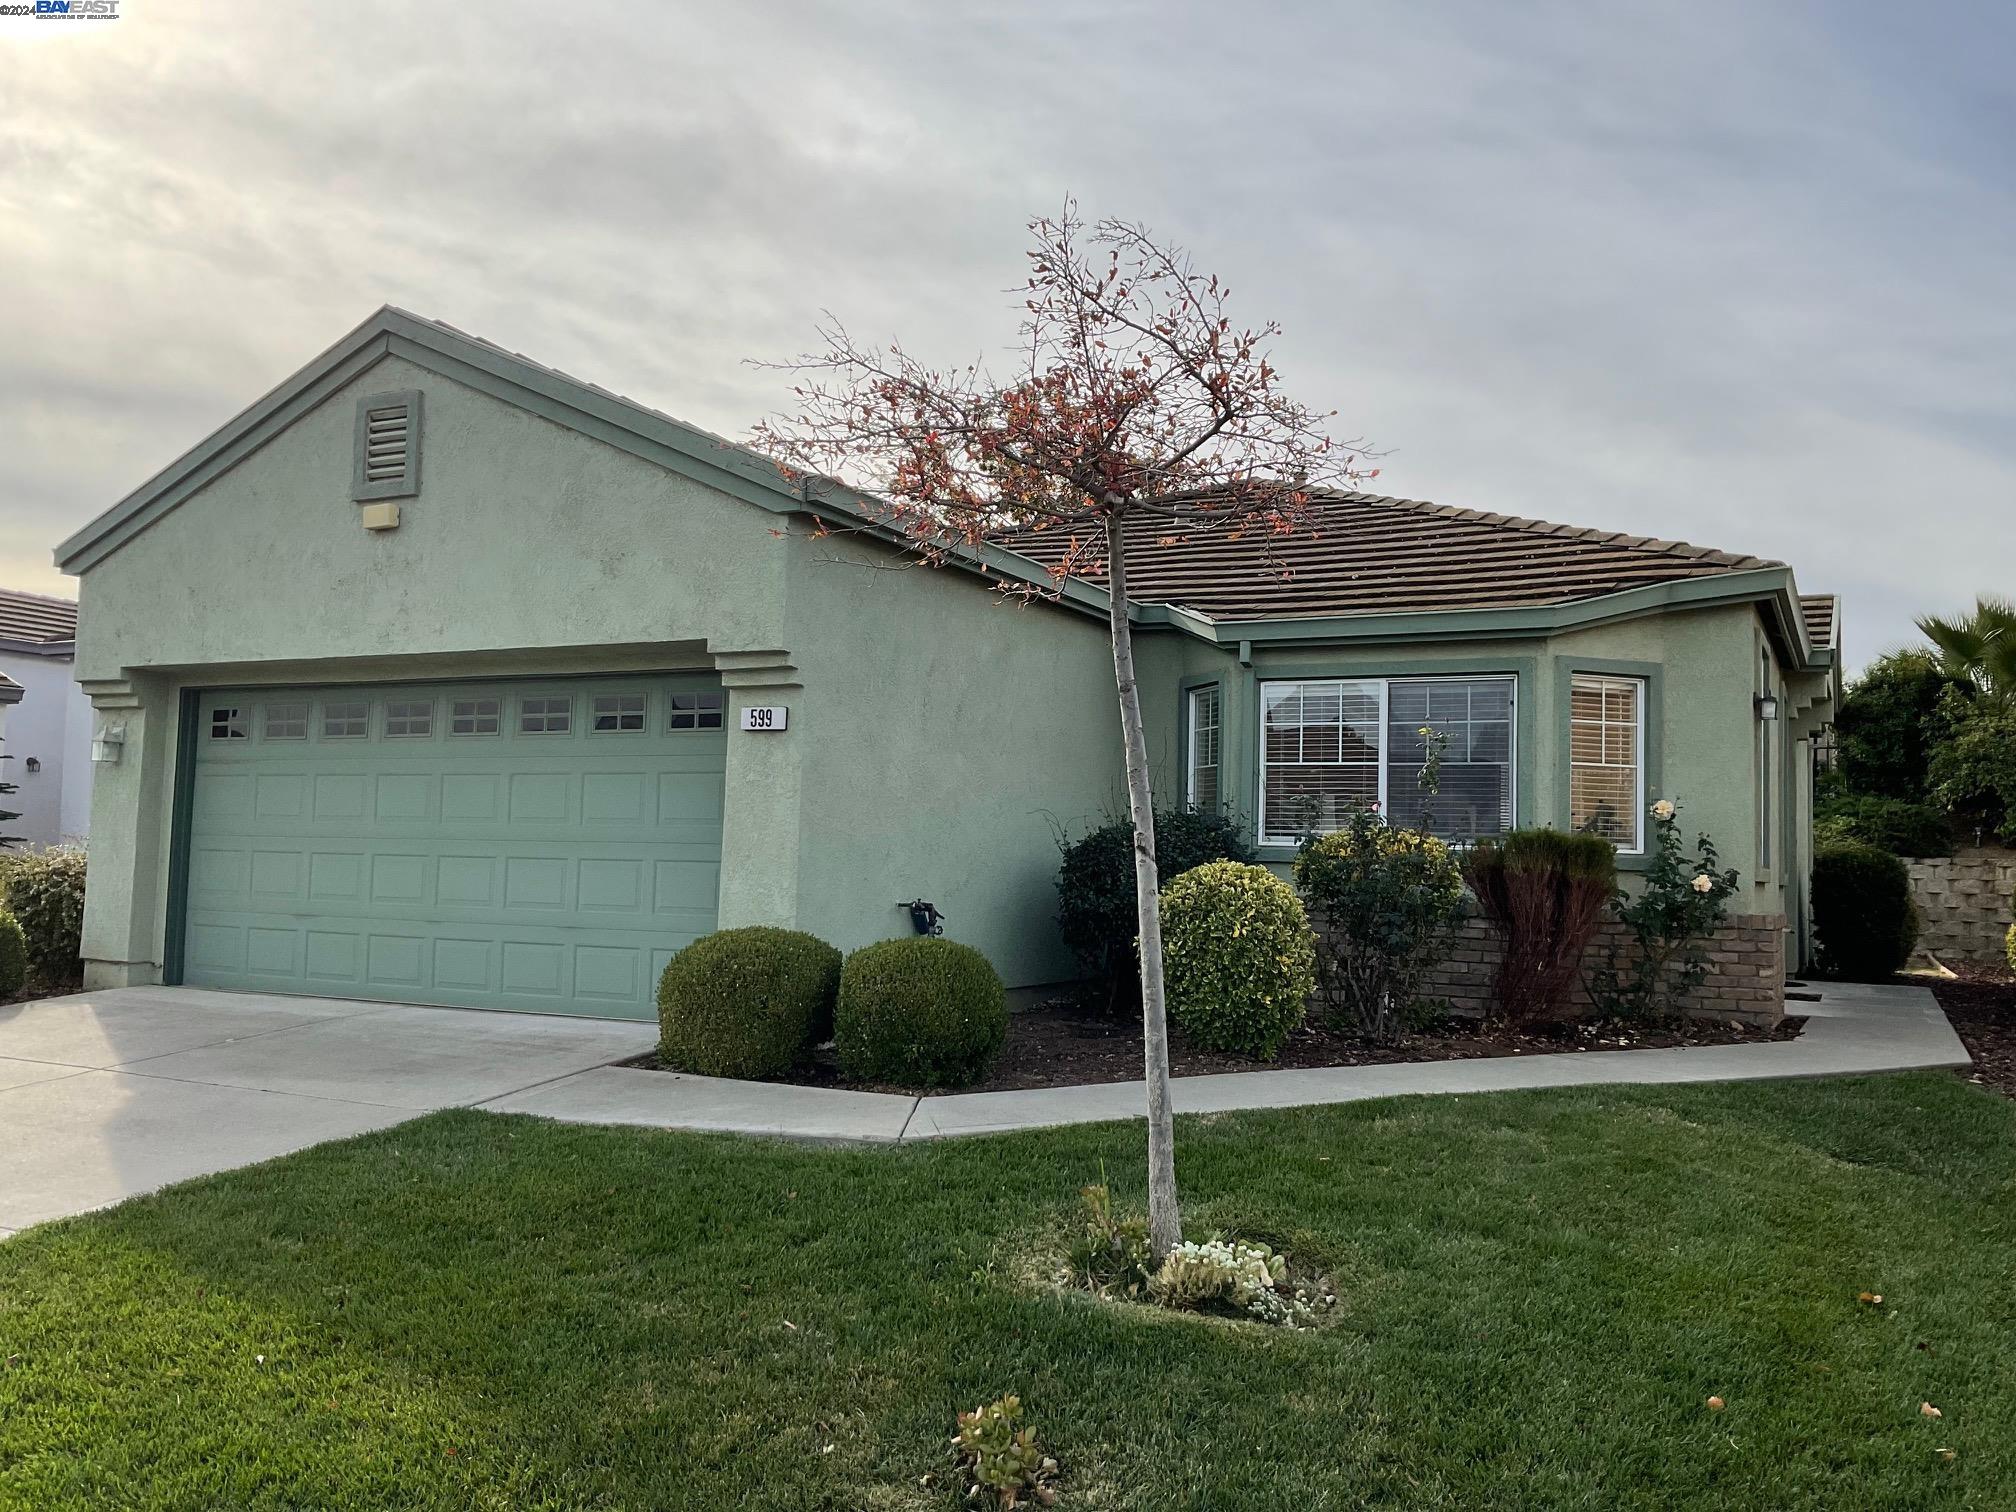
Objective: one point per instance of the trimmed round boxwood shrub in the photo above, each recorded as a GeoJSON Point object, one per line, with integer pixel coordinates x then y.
{"type": "Point", "coordinates": [13, 955]}
{"type": "Point", "coordinates": [44, 890]}
{"type": "Point", "coordinates": [919, 1012]}
{"type": "Point", "coordinates": [1239, 957]}
{"type": "Point", "coordinates": [1095, 893]}
{"type": "Point", "coordinates": [747, 1002]}
{"type": "Point", "coordinates": [1863, 916]}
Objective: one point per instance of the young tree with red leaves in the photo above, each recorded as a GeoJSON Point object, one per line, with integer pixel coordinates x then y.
{"type": "Point", "coordinates": [1135, 401]}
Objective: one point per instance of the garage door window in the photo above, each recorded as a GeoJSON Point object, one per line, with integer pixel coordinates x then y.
{"type": "Point", "coordinates": [226, 724]}
{"type": "Point", "coordinates": [545, 716]}
{"type": "Point", "coordinates": [696, 711]}
{"type": "Point", "coordinates": [409, 717]}
{"type": "Point", "coordinates": [616, 712]}
{"type": "Point", "coordinates": [346, 721]}
{"type": "Point", "coordinates": [473, 716]}
{"type": "Point", "coordinates": [286, 721]}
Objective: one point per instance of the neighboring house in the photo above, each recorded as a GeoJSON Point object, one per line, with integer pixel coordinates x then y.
{"type": "Point", "coordinates": [45, 740]}
{"type": "Point", "coordinates": [441, 676]}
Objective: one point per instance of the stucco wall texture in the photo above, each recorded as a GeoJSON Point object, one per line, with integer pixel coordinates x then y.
{"type": "Point", "coordinates": [940, 736]}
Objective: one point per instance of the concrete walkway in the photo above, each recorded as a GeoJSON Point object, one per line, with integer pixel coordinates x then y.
{"type": "Point", "coordinates": [107, 1095]}
{"type": "Point", "coordinates": [1854, 1029]}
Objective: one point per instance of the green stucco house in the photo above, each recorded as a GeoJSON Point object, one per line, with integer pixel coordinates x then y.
{"type": "Point", "coordinates": [439, 676]}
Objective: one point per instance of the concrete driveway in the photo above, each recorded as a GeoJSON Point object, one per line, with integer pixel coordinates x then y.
{"type": "Point", "coordinates": [109, 1094]}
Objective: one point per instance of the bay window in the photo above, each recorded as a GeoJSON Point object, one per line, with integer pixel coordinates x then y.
{"type": "Point", "coordinates": [1606, 759]}
{"type": "Point", "coordinates": [1332, 745]}
{"type": "Point", "coordinates": [1200, 783]}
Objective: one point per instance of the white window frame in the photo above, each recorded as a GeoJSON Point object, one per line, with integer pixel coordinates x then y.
{"type": "Point", "coordinates": [1644, 702]}
{"type": "Point", "coordinates": [551, 706]}
{"type": "Point", "coordinates": [1191, 699]}
{"type": "Point", "coordinates": [228, 722]}
{"type": "Point", "coordinates": [401, 711]}
{"type": "Point", "coordinates": [700, 716]}
{"type": "Point", "coordinates": [1384, 685]}
{"type": "Point", "coordinates": [326, 711]}
{"type": "Point", "coordinates": [475, 714]}
{"type": "Point", "coordinates": [297, 713]}
{"type": "Point", "coordinates": [642, 714]}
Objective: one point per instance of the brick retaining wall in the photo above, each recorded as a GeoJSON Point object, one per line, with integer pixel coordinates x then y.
{"type": "Point", "coordinates": [1746, 968]}
{"type": "Point", "coordinates": [1963, 904]}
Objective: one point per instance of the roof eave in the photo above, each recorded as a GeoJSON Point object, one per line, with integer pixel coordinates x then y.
{"type": "Point", "coordinates": [55, 649]}
{"type": "Point", "coordinates": [1762, 584]}
{"type": "Point", "coordinates": [567, 401]}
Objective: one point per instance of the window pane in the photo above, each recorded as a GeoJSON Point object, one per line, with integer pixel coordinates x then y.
{"type": "Point", "coordinates": [1202, 784]}
{"type": "Point", "coordinates": [473, 716]}
{"type": "Point", "coordinates": [286, 721]}
{"type": "Point", "coordinates": [349, 720]}
{"type": "Point", "coordinates": [1473, 716]}
{"type": "Point", "coordinates": [618, 711]}
{"type": "Point", "coordinates": [1321, 750]}
{"type": "Point", "coordinates": [409, 717]}
{"type": "Point", "coordinates": [545, 716]}
{"type": "Point", "coordinates": [227, 724]}
{"type": "Point", "coordinates": [695, 711]}
{"type": "Point", "coordinates": [1605, 796]}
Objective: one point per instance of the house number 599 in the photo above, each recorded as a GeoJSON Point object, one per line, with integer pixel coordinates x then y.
{"type": "Point", "coordinates": [765, 717]}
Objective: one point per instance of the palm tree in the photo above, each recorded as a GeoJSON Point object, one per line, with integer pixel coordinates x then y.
{"type": "Point", "coordinates": [1980, 649]}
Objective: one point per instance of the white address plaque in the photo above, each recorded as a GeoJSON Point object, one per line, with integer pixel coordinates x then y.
{"type": "Point", "coordinates": [765, 717]}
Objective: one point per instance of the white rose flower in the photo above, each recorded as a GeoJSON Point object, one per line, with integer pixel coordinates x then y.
{"type": "Point", "coordinates": [1704, 883]}
{"type": "Point", "coordinates": [1663, 809]}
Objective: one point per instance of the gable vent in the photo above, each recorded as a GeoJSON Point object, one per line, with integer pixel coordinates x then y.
{"type": "Point", "coordinates": [387, 463]}
{"type": "Point", "coordinates": [385, 443]}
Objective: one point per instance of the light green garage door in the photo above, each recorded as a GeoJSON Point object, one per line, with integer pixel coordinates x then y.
{"type": "Point", "coordinates": [542, 846]}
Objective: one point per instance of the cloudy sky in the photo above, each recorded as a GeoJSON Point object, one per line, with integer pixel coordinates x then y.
{"type": "Point", "coordinates": [1732, 273]}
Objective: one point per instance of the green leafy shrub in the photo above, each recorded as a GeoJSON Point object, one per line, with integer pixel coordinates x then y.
{"type": "Point", "coordinates": [1884, 731]}
{"type": "Point", "coordinates": [1002, 1455]}
{"type": "Point", "coordinates": [1386, 901]}
{"type": "Point", "coordinates": [1545, 891]}
{"type": "Point", "coordinates": [920, 1012]}
{"type": "Point", "coordinates": [1973, 767]}
{"type": "Point", "coordinates": [13, 955]}
{"type": "Point", "coordinates": [1239, 956]}
{"type": "Point", "coordinates": [2009, 946]}
{"type": "Point", "coordinates": [1863, 916]}
{"type": "Point", "coordinates": [747, 1002]}
{"type": "Point", "coordinates": [45, 893]}
{"type": "Point", "coordinates": [1680, 904]}
{"type": "Point", "coordinates": [1095, 893]}
{"type": "Point", "coordinates": [1903, 829]}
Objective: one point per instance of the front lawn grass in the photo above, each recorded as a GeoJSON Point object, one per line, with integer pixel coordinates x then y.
{"type": "Point", "coordinates": [1539, 1292]}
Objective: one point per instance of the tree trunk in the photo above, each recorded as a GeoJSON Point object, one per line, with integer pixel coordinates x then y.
{"type": "Point", "coordinates": [1165, 1224]}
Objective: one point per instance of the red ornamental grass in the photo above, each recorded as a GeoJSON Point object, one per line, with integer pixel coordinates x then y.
{"type": "Point", "coordinates": [1545, 891]}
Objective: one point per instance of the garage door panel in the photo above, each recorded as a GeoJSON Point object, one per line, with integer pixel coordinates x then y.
{"type": "Point", "coordinates": [555, 870]}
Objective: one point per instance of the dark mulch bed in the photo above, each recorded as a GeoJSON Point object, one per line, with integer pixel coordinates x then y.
{"type": "Point", "coordinates": [1982, 1010]}
{"type": "Point", "coordinates": [1059, 1045]}
{"type": "Point", "coordinates": [35, 991]}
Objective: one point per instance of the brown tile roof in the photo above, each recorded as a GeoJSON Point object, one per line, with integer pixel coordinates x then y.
{"type": "Point", "coordinates": [1368, 554]}
{"type": "Point", "coordinates": [1822, 614]}
{"type": "Point", "coordinates": [32, 617]}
